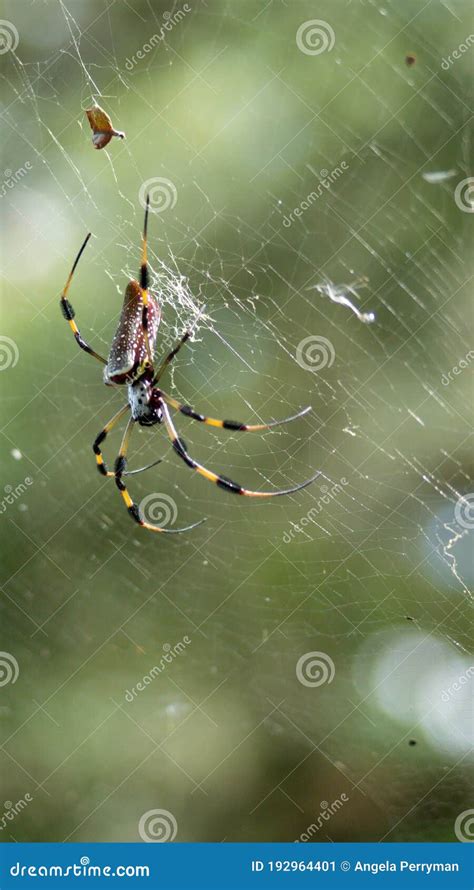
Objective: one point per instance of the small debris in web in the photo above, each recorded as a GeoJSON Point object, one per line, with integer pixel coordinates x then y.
{"type": "Point", "coordinates": [410, 59]}
{"type": "Point", "coordinates": [337, 293]}
{"type": "Point", "coordinates": [101, 126]}
{"type": "Point", "coordinates": [412, 742]}
{"type": "Point", "coordinates": [438, 176]}
{"type": "Point", "coordinates": [16, 453]}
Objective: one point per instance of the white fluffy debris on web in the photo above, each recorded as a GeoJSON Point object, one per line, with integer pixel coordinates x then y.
{"type": "Point", "coordinates": [337, 293]}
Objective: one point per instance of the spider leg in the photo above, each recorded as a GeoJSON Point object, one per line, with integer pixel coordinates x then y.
{"type": "Point", "coordinates": [228, 424]}
{"type": "Point", "coordinates": [142, 469]}
{"type": "Point", "coordinates": [221, 481]}
{"type": "Point", "coordinates": [120, 465]}
{"type": "Point", "coordinates": [101, 465]}
{"type": "Point", "coordinates": [68, 311]}
{"type": "Point", "coordinates": [144, 280]}
{"type": "Point", "coordinates": [184, 339]}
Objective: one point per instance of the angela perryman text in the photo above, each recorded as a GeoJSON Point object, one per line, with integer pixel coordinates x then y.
{"type": "Point", "coordinates": [405, 865]}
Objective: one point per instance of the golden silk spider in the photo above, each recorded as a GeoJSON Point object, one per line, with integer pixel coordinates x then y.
{"type": "Point", "coordinates": [131, 363]}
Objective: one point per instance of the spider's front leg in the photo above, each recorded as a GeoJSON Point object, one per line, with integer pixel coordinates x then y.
{"type": "Point", "coordinates": [69, 314]}
{"type": "Point", "coordinates": [174, 352]}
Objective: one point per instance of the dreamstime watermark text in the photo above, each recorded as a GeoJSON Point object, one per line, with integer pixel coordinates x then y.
{"type": "Point", "coordinates": [12, 177]}
{"type": "Point", "coordinates": [327, 495]}
{"type": "Point", "coordinates": [326, 180]}
{"type": "Point", "coordinates": [12, 494]}
{"type": "Point", "coordinates": [458, 53]}
{"type": "Point", "coordinates": [458, 684]}
{"type": "Point", "coordinates": [169, 655]}
{"type": "Point", "coordinates": [327, 811]}
{"type": "Point", "coordinates": [81, 869]}
{"type": "Point", "coordinates": [12, 810]}
{"type": "Point", "coordinates": [464, 363]}
{"type": "Point", "coordinates": [169, 21]}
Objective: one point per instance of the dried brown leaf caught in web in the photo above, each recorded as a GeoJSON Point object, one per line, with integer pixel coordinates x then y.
{"type": "Point", "coordinates": [101, 126]}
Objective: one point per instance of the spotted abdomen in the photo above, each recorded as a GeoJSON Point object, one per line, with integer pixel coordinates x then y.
{"type": "Point", "coordinates": [128, 349]}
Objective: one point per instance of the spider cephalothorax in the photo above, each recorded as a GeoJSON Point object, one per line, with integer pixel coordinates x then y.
{"type": "Point", "coordinates": [145, 402]}
{"type": "Point", "coordinates": [131, 363]}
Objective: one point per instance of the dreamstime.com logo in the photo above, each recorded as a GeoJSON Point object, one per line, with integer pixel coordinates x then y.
{"type": "Point", "coordinates": [162, 192]}
{"type": "Point", "coordinates": [464, 195]}
{"type": "Point", "coordinates": [314, 353]}
{"type": "Point", "coordinates": [315, 669]}
{"type": "Point", "coordinates": [159, 508]}
{"type": "Point", "coordinates": [9, 669]}
{"type": "Point", "coordinates": [157, 827]}
{"type": "Point", "coordinates": [464, 511]}
{"type": "Point", "coordinates": [315, 37]}
{"type": "Point", "coordinates": [9, 353]}
{"type": "Point", "coordinates": [464, 827]}
{"type": "Point", "coordinates": [9, 37]}
{"type": "Point", "coordinates": [81, 869]}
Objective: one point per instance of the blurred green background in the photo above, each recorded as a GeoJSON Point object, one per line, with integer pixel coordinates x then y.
{"type": "Point", "coordinates": [227, 108]}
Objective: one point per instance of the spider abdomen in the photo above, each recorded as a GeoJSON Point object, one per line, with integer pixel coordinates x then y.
{"type": "Point", "coordinates": [128, 350]}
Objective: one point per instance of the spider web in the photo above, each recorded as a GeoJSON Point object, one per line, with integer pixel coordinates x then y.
{"type": "Point", "coordinates": [316, 204]}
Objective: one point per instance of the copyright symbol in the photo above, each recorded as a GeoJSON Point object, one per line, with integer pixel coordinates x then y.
{"type": "Point", "coordinates": [345, 865]}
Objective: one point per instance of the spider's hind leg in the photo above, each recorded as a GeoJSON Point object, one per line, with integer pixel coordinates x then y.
{"type": "Point", "coordinates": [222, 481]}
{"type": "Point", "coordinates": [132, 507]}
{"type": "Point", "coordinates": [236, 425]}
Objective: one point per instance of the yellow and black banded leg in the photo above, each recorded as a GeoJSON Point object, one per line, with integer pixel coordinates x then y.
{"type": "Point", "coordinates": [120, 467]}
{"type": "Point", "coordinates": [101, 465]}
{"type": "Point", "coordinates": [222, 481]}
{"type": "Point", "coordinates": [171, 355]}
{"type": "Point", "coordinates": [69, 313]}
{"type": "Point", "coordinates": [228, 424]}
{"type": "Point", "coordinates": [144, 283]}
